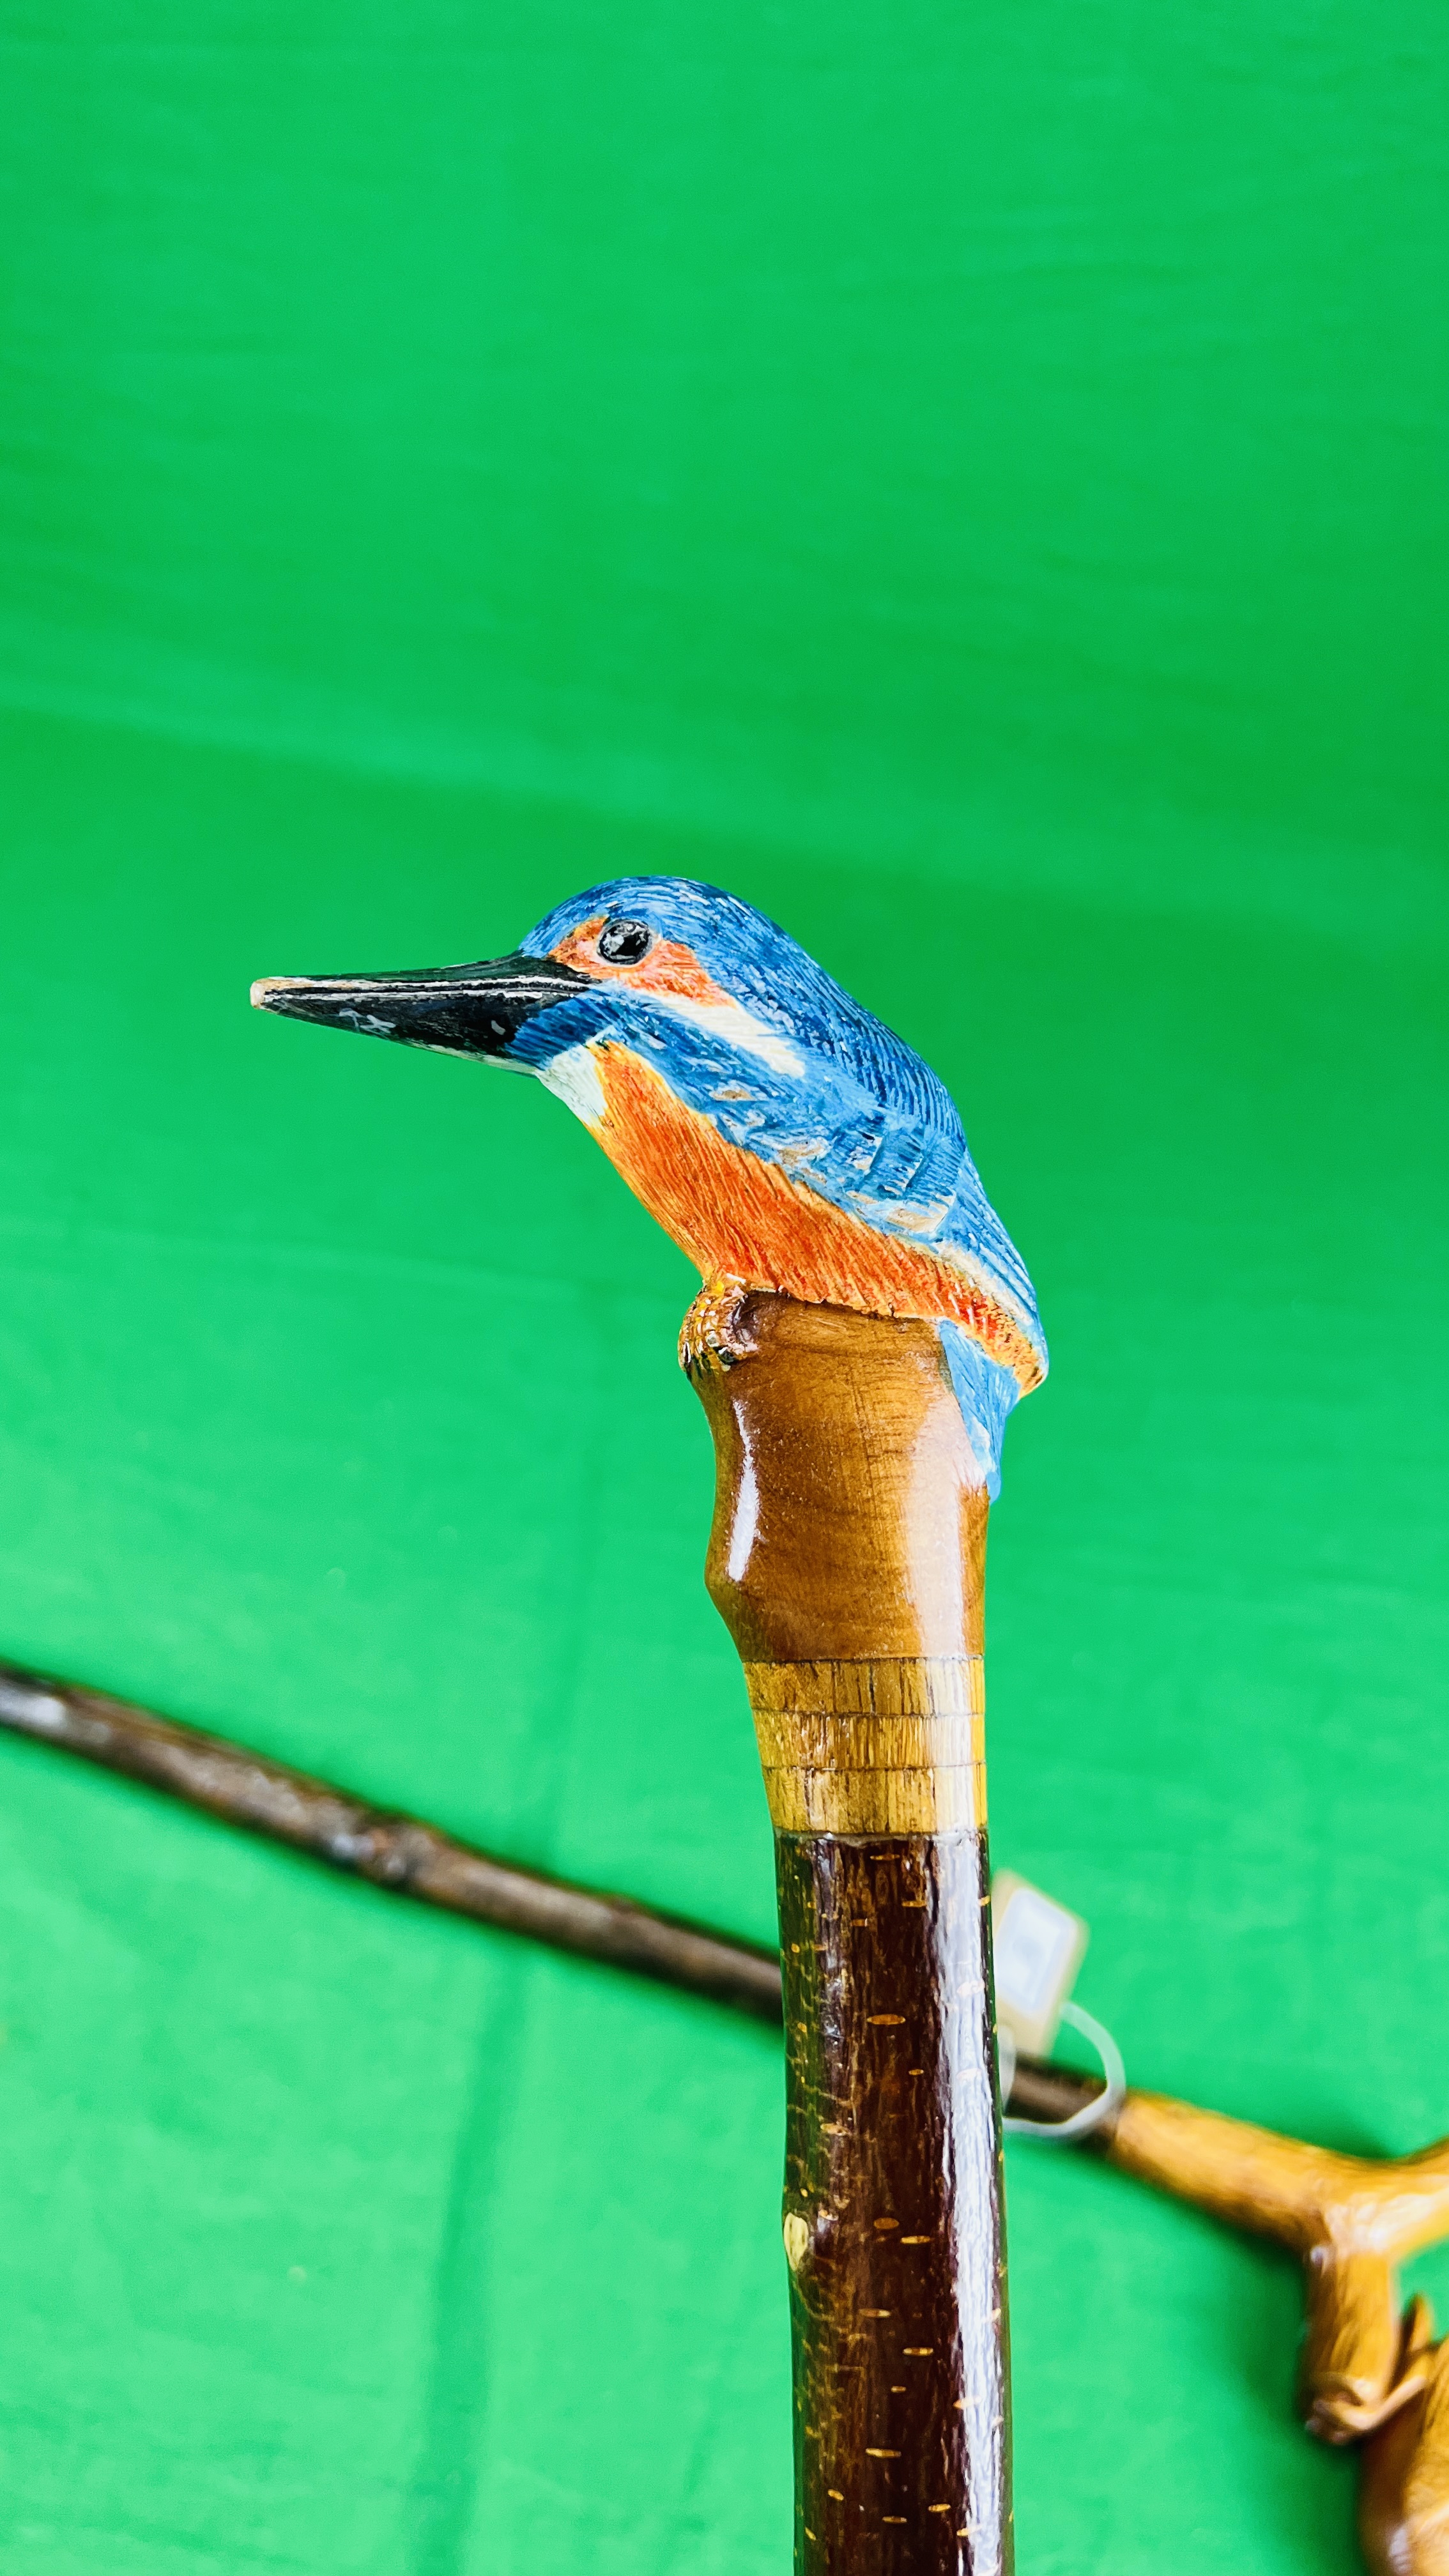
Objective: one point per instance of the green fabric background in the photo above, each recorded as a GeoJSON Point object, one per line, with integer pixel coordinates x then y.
{"type": "Point", "coordinates": [969, 481]}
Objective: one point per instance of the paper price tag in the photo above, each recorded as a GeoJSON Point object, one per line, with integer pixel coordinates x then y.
{"type": "Point", "coordinates": [1039, 1948]}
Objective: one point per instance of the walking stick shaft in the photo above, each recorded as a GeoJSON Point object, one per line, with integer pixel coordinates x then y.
{"type": "Point", "coordinates": [847, 1559]}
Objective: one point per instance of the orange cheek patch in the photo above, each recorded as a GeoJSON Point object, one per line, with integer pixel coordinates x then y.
{"type": "Point", "coordinates": [577, 950]}
{"type": "Point", "coordinates": [740, 1218]}
{"type": "Point", "coordinates": [670, 967]}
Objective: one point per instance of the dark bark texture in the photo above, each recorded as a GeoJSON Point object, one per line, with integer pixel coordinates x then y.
{"type": "Point", "coordinates": [893, 2207]}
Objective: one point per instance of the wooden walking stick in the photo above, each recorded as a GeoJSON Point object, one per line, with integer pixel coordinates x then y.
{"type": "Point", "coordinates": [1365, 2374]}
{"type": "Point", "coordinates": [863, 1330]}
{"type": "Point", "coordinates": [847, 1559]}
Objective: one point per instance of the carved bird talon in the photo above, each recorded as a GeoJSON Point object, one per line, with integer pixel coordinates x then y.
{"type": "Point", "coordinates": [713, 1334]}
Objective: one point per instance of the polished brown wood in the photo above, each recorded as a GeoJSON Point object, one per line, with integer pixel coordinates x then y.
{"type": "Point", "coordinates": [893, 2202]}
{"type": "Point", "coordinates": [401, 1854]}
{"type": "Point", "coordinates": [847, 1558]}
{"type": "Point", "coordinates": [848, 1521]}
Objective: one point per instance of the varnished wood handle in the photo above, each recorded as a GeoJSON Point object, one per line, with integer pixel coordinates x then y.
{"type": "Point", "coordinates": [847, 1559]}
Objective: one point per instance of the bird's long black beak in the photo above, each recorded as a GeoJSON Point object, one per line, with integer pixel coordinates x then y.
{"type": "Point", "coordinates": [461, 1010]}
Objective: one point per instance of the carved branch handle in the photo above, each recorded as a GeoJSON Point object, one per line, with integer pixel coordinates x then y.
{"type": "Point", "coordinates": [1351, 2220]}
{"type": "Point", "coordinates": [1365, 2373]}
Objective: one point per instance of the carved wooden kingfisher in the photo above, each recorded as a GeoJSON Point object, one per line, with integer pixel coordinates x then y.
{"type": "Point", "coordinates": [784, 1137]}
{"type": "Point", "coordinates": [864, 1328]}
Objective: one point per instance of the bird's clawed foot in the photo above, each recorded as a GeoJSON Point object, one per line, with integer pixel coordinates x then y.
{"type": "Point", "coordinates": [713, 1334]}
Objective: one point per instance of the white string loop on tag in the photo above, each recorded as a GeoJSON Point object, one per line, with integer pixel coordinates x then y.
{"type": "Point", "coordinates": [1091, 2114]}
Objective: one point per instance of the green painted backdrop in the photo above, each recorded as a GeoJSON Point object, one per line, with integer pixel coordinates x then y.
{"type": "Point", "coordinates": [966, 478]}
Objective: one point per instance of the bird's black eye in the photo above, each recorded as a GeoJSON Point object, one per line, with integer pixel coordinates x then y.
{"type": "Point", "coordinates": [623, 943]}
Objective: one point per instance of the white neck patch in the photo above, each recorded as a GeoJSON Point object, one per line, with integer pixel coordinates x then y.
{"type": "Point", "coordinates": [573, 1077]}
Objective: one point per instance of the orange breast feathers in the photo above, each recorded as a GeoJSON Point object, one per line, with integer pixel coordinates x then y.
{"type": "Point", "coordinates": [742, 1219]}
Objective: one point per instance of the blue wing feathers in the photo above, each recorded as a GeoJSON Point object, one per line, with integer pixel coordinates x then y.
{"type": "Point", "coordinates": [986, 1393]}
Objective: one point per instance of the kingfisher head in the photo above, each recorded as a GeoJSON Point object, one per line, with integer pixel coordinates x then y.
{"type": "Point", "coordinates": [784, 1136]}
{"type": "Point", "coordinates": [655, 999]}
{"type": "Point", "coordinates": [687, 976]}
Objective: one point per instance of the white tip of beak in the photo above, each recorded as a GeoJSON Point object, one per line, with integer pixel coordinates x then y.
{"type": "Point", "coordinates": [266, 985]}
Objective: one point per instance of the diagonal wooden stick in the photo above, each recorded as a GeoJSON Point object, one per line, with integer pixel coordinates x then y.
{"type": "Point", "coordinates": [399, 1853]}
{"type": "Point", "coordinates": [406, 1856]}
